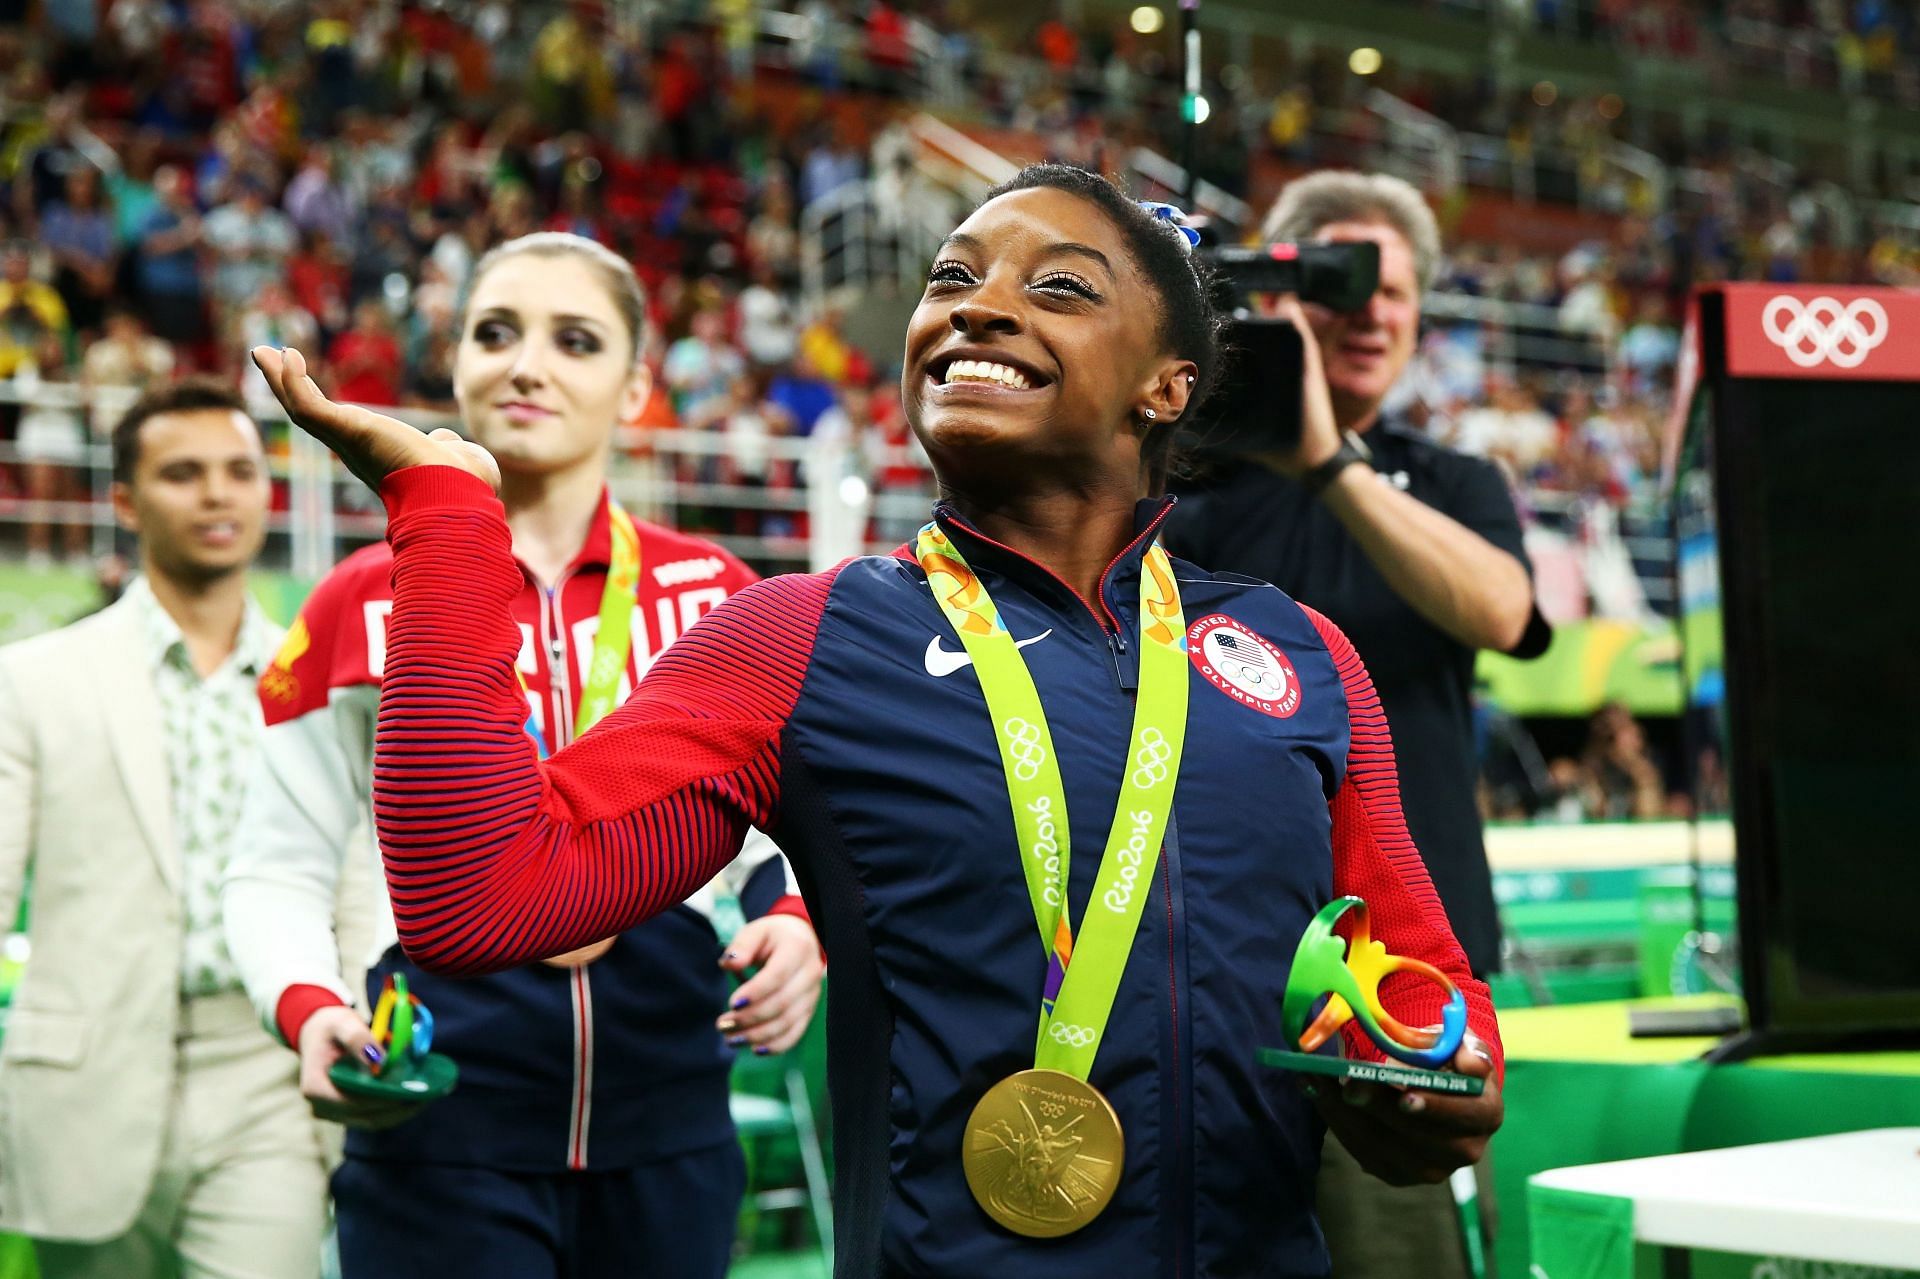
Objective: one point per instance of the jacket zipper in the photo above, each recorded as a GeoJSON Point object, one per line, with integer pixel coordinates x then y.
{"type": "Point", "coordinates": [580, 1115]}
{"type": "Point", "coordinates": [560, 725]}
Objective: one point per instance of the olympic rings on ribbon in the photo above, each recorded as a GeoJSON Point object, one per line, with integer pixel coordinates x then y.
{"type": "Point", "coordinates": [1150, 761]}
{"type": "Point", "coordinates": [1072, 1036]}
{"type": "Point", "coordinates": [1023, 743]}
{"type": "Point", "coordinates": [1824, 329]}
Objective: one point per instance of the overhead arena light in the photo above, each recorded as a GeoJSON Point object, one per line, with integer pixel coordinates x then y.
{"type": "Point", "coordinates": [1364, 61]}
{"type": "Point", "coordinates": [1147, 19]}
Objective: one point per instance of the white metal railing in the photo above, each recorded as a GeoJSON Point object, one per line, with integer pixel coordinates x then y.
{"type": "Point", "coordinates": [1517, 334]}
{"type": "Point", "coordinates": [850, 238]}
{"type": "Point", "coordinates": [886, 229]}
{"type": "Point", "coordinates": [1422, 141]}
{"type": "Point", "coordinates": [1640, 166]}
{"type": "Point", "coordinates": [967, 167]}
{"type": "Point", "coordinates": [1152, 172]}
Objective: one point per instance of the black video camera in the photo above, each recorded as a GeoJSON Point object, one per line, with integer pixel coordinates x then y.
{"type": "Point", "coordinates": [1255, 407]}
{"type": "Point", "coordinates": [1340, 277]}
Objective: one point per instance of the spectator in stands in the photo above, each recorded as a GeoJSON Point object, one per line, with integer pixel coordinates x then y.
{"type": "Point", "coordinates": [78, 231]}
{"type": "Point", "coordinates": [701, 366]}
{"type": "Point", "coordinates": [768, 331]}
{"type": "Point", "coordinates": [123, 363]}
{"type": "Point", "coordinates": [364, 364]}
{"type": "Point", "coordinates": [1415, 551]}
{"type": "Point", "coordinates": [251, 242]}
{"type": "Point", "coordinates": [383, 257]}
{"type": "Point", "coordinates": [53, 449]}
{"type": "Point", "coordinates": [30, 309]}
{"type": "Point", "coordinates": [318, 279]}
{"type": "Point", "coordinates": [828, 352]}
{"type": "Point", "coordinates": [61, 146]}
{"type": "Point", "coordinates": [1650, 346]}
{"type": "Point", "coordinates": [130, 189]}
{"type": "Point", "coordinates": [830, 164]}
{"type": "Point", "coordinates": [273, 319]}
{"type": "Point", "coordinates": [152, 1125]}
{"type": "Point", "coordinates": [802, 394]}
{"type": "Point", "coordinates": [172, 296]}
{"type": "Point", "coordinates": [315, 200]}
{"type": "Point", "coordinates": [1586, 303]}
{"type": "Point", "coordinates": [1615, 777]}
{"type": "Point", "coordinates": [459, 246]}
{"type": "Point", "coordinates": [1510, 428]}
{"type": "Point", "coordinates": [771, 238]}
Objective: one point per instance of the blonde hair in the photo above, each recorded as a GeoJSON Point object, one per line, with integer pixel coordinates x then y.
{"type": "Point", "coordinates": [615, 272]}
{"type": "Point", "coordinates": [1320, 199]}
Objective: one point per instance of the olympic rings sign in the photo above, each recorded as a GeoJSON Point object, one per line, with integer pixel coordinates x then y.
{"type": "Point", "coordinates": [1824, 329]}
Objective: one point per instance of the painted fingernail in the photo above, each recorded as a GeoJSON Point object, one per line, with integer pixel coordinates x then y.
{"type": "Point", "coordinates": [761, 1050]}
{"type": "Point", "coordinates": [741, 1001]}
{"type": "Point", "coordinates": [1413, 1103]}
{"type": "Point", "coordinates": [728, 1025]}
{"type": "Point", "coordinates": [729, 957]}
{"type": "Point", "coordinates": [372, 1053]}
{"type": "Point", "coordinates": [736, 1041]}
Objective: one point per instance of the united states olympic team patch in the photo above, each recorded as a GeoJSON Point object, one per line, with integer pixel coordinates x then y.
{"type": "Point", "coordinates": [1244, 665]}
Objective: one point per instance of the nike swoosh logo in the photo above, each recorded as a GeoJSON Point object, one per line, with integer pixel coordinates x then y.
{"type": "Point", "coordinates": [941, 662]}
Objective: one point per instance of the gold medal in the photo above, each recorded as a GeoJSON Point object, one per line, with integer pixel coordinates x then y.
{"type": "Point", "coordinates": [1043, 1153]}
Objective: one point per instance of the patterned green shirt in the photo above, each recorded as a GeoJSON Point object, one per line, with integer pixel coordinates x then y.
{"type": "Point", "coordinates": [212, 728]}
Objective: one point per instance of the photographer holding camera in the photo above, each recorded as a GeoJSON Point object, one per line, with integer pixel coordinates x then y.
{"type": "Point", "coordinates": [1415, 551]}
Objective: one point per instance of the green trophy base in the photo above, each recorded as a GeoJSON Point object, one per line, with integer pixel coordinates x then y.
{"type": "Point", "coordinates": [1392, 1073]}
{"type": "Point", "coordinates": [431, 1080]}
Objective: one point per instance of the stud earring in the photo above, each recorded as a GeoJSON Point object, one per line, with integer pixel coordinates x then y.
{"type": "Point", "coordinates": [1151, 415]}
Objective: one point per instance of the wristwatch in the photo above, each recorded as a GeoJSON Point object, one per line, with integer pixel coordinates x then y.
{"type": "Point", "coordinates": [1352, 449]}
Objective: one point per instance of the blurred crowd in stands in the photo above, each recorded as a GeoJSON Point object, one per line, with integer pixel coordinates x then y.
{"type": "Point", "coordinates": [1851, 45]}
{"type": "Point", "coordinates": [188, 179]}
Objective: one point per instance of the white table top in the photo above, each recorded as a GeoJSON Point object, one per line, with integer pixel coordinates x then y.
{"type": "Point", "coordinates": [1852, 1197]}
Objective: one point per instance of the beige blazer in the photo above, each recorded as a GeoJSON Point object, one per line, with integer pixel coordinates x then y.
{"type": "Point", "coordinates": [88, 1059]}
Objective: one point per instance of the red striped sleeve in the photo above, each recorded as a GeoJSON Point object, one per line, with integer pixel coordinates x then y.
{"type": "Point", "coordinates": [1374, 859]}
{"type": "Point", "coordinates": [495, 857]}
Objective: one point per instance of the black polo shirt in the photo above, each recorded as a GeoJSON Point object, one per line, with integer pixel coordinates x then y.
{"type": "Point", "coordinates": [1258, 523]}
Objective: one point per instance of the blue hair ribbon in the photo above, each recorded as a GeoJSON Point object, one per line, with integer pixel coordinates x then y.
{"type": "Point", "coordinates": [1175, 217]}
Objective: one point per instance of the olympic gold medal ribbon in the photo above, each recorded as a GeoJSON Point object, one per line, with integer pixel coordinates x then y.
{"type": "Point", "coordinates": [1348, 975]}
{"type": "Point", "coordinates": [1044, 1150]}
{"type": "Point", "coordinates": [600, 691]}
{"type": "Point", "coordinates": [1069, 1032]}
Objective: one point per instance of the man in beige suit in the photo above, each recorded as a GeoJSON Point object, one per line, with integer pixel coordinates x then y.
{"type": "Point", "coordinates": [148, 1123]}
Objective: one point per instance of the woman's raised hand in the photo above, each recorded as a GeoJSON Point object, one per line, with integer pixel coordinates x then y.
{"type": "Point", "coordinates": [372, 445]}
